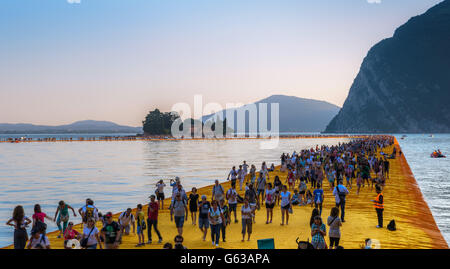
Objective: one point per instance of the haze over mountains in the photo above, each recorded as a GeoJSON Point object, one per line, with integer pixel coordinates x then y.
{"type": "Point", "coordinates": [296, 114]}
{"type": "Point", "coordinates": [87, 126]}
{"type": "Point", "coordinates": [403, 85]}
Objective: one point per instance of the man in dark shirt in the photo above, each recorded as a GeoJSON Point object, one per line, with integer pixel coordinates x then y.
{"type": "Point", "coordinates": [250, 194]}
{"type": "Point", "coordinates": [386, 168]}
{"type": "Point", "coordinates": [203, 221]}
{"type": "Point", "coordinates": [378, 203]}
{"type": "Point", "coordinates": [111, 232]}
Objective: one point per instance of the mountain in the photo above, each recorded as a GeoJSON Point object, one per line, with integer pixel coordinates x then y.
{"type": "Point", "coordinates": [87, 126]}
{"type": "Point", "coordinates": [404, 81]}
{"type": "Point", "coordinates": [296, 114]}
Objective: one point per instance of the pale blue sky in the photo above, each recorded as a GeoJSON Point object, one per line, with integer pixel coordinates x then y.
{"type": "Point", "coordinates": [117, 59]}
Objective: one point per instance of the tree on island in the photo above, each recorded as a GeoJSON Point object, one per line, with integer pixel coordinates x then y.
{"type": "Point", "coordinates": [159, 123]}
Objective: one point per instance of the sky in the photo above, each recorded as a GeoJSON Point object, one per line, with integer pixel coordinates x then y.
{"type": "Point", "coordinates": [68, 60]}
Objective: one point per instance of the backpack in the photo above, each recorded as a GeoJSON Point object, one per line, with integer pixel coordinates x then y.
{"type": "Point", "coordinates": [340, 194]}
{"type": "Point", "coordinates": [89, 213]}
{"type": "Point", "coordinates": [220, 189]}
{"type": "Point", "coordinates": [391, 226]}
{"type": "Point", "coordinates": [40, 226]}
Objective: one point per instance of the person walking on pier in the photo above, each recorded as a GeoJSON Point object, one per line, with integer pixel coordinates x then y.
{"type": "Point", "coordinates": [140, 220]}
{"type": "Point", "coordinates": [216, 220]}
{"type": "Point", "coordinates": [340, 193]}
{"type": "Point", "coordinates": [240, 176]}
{"type": "Point", "coordinates": [285, 204]}
{"type": "Point", "coordinates": [180, 211]}
{"type": "Point", "coordinates": [247, 214]}
{"type": "Point", "coordinates": [39, 216]}
{"type": "Point", "coordinates": [318, 197]}
{"type": "Point", "coordinates": [126, 219]}
{"type": "Point", "coordinates": [63, 210]}
{"type": "Point", "coordinates": [193, 204]}
{"type": "Point", "coordinates": [152, 219]}
{"type": "Point", "coordinates": [253, 175]}
{"type": "Point", "coordinates": [227, 219]}
{"type": "Point", "coordinates": [270, 202]}
{"type": "Point", "coordinates": [378, 203]}
{"type": "Point", "coordinates": [88, 211]}
{"type": "Point", "coordinates": [233, 175]}
{"type": "Point", "coordinates": [334, 222]}
{"type": "Point", "coordinates": [203, 221]}
{"type": "Point", "coordinates": [232, 201]}
{"type": "Point", "coordinates": [245, 169]}
{"type": "Point", "coordinates": [250, 194]}
{"type": "Point", "coordinates": [261, 186]}
{"type": "Point", "coordinates": [217, 191]}
{"type": "Point", "coordinates": [318, 233]}
{"type": "Point", "coordinates": [111, 233]}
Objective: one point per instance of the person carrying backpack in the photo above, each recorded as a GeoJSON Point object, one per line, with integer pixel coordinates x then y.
{"type": "Point", "coordinates": [141, 225]}
{"type": "Point", "coordinates": [340, 192]}
{"type": "Point", "coordinates": [39, 218]}
{"type": "Point", "coordinates": [126, 219]}
{"type": "Point", "coordinates": [232, 201]}
{"type": "Point", "coordinates": [378, 203]}
{"type": "Point", "coordinates": [216, 220]}
{"type": "Point", "coordinates": [88, 211]}
{"type": "Point", "coordinates": [180, 212]}
{"type": "Point", "coordinates": [227, 219]}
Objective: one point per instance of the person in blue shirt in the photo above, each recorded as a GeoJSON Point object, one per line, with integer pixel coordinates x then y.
{"type": "Point", "coordinates": [318, 197]}
{"type": "Point", "coordinates": [295, 200]}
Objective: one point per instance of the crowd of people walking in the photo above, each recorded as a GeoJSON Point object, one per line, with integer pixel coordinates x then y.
{"type": "Point", "coordinates": [356, 164]}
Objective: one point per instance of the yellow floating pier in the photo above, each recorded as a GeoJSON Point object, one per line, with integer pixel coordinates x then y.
{"type": "Point", "coordinates": [416, 228]}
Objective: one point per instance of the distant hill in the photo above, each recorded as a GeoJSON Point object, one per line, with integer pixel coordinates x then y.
{"type": "Point", "coordinates": [296, 114]}
{"type": "Point", "coordinates": [403, 85]}
{"type": "Point", "coordinates": [79, 127]}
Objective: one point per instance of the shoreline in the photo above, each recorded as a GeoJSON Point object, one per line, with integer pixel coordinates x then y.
{"type": "Point", "coordinates": [404, 203]}
{"type": "Point", "coordinates": [138, 138]}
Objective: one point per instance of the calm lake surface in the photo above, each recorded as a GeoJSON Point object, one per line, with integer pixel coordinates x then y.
{"type": "Point", "coordinates": [118, 175]}
{"type": "Point", "coordinates": [431, 174]}
{"type": "Point", "coordinates": [121, 174]}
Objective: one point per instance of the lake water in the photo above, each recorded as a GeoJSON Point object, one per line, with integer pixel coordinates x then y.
{"type": "Point", "coordinates": [117, 175]}
{"type": "Point", "coordinates": [431, 174]}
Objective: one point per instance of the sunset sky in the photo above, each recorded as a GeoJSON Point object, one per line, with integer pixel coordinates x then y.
{"type": "Point", "coordinates": [117, 59]}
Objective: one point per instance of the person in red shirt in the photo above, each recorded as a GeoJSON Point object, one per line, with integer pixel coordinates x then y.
{"type": "Point", "coordinates": [39, 216]}
{"type": "Point", "coordinates": [152, 219]}
{"type": "Point", "coordinates": [69, 234]}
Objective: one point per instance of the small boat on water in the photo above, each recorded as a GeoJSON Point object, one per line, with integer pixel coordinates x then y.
{"type": "Point", "coordinates": [437, 154]}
